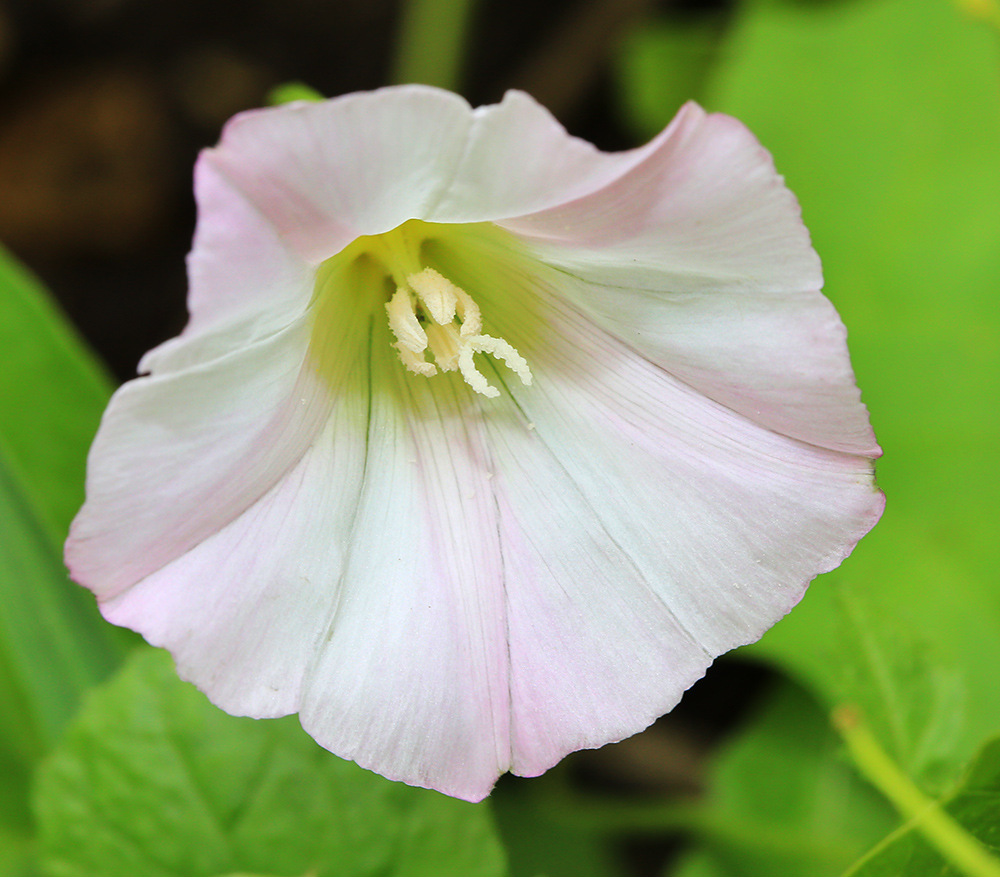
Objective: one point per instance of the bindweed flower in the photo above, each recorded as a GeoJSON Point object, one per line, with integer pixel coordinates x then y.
{"type": "Point", "coordinates": [480, 444]}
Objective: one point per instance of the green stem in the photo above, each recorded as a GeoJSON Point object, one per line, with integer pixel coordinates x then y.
{"type": "Point", "coordinates": [953, 842]}
{"type": "Point", "coordinates": [431, 40]}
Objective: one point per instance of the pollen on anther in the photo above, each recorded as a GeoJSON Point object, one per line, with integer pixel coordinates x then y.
{"type": "Point", "coordinates": [502, 350]}
{"type": "Point", "coordinates": [450, 325]}
{"type": "Point", "coordinates": [436, 293]}
{"type": "Point", "coordinates": [404, 323]}
{"type": "Point", "coordinates": [415, 361]}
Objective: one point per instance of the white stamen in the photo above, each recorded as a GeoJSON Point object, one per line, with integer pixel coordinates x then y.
{"type": "Point", "coordinates": [500, 349]}
{"type": "Point", "coordinates": [445, 343]}
{"type": "Point", "coordinates": [472, 377]}
{"type": "Point", "coordinates": [452, 329]}
{"type": "Point", "coordinates": [404, 323]}
{"type": "Point", "coordinates": [415, 362]}
{"type": "Point", "coordinates": [468, 313]}
{"type": "Point", "coordinates": [437, 294]}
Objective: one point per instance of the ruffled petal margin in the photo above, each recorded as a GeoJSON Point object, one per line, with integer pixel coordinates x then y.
{"type": "Point", "coordinates": [325, 173]}
{"type": "Point", "coordinates": [697, 258]}
{"type": "Point", "coordinates": [245, 284]}
{"type": "Point", "coordinates": [645, 528]}
{"type": "Point", "coordinates": [180, 456]}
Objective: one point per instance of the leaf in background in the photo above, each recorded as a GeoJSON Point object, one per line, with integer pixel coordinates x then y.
{"type": "Point", "coordinates": [39, 678]}
{"type": "Point", "coordinates": [153, 780]}
{"type": "Point", "coordinates": [784, 802]}
{"type": "Point", "coordinates": [541, 838]}
{"type": "Point", "coordinates": [909, 695]}
{"type": "Point", "coordinates": [697, 864]}
{"type": "Point", "coordinates": [52, 394]}
{"type": "Point", "coordinates": [975, 805]}
{"type": "Point", "coordinates": [661, 65]}
{"type": "Point", "coordinates": [53, 643]}
{"type": "Point", "coordinates": [884, 116]}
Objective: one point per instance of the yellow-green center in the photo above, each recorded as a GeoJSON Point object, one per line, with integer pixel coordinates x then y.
{"type": "Point", "coordinates": [428, 314]}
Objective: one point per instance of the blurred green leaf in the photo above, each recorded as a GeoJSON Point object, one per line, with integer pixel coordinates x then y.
{"type": "Point", "coordinates": [783, 801]}
{"type": "Point", "coordinates": [909, 695]}
{"type": "Point", "coordinates": [884, 116]}
{"type": "Point", "coordinates": [16, 850]}
{"type": "Point", "coordinates": [53, 643]}
{"type": "Point", "coordinates": [975, 805]}
{"type": "Point", "coordinates": [152, 779]}
{"type": "Point", "coordinates": [37, 698]}
{"type": "Point", "coordinates": [663, 63]}
{"type": "Point", "coordinates": [52, 394]}
{"type": "Point", "coordinates": [697, 864]}
{"type": "Point", "coordinates": [541, 834]}
{"type": "Point", "coordinates": [288, 92]}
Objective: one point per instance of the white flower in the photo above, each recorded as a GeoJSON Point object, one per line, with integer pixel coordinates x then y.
{"type": "Point", "coordinates": [480, 443]}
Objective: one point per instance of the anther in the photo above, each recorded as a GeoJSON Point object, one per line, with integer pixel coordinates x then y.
{"type": "Point", "coordinates": [437, 294]}
{"type": "Point", "coordinates": [452, 330]}
{"type": "Point", "coordinates": [404, 323]}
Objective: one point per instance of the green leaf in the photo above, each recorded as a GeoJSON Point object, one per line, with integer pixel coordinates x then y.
{"type": "Point", "coordinates": [15, 853]}
{"type": "Point", "coordinates": [153, 780]}
{"type": "Point", "coordinates": [52, 394]}
{"type": "Point", "coordinates": [912, 697]}
{"type": "Point", "coordinates": [536, 822]}
{"type": "Point", "coordinates": [288, 92]}
{"type": "Point", "coordinates": [53, 643]}
{"type": "Point", "coordinates": [37, 698]}
{"type": "Point", "coordinates": [697, 864]}
{"type": "Point", "coordinates": [974, 805]}
{"type": "Point", "coordinates": [784, 802]}
{"type": "Point", "coordinates": [53, 646]}
{"type": "Point", "coordinates": [662, 64]}
{"type": "Point", "coordinates": [884, 116]}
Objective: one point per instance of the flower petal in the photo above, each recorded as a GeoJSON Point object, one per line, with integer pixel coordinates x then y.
{"type": "Point", "coordinates": [704, 206]}
{"type": "Point", "coordinates": [365, 591]}
{"type": "Point", "coordinates": [180, 456]}
{"type": "Point", "coordinates": [447, 587]}
{"type": "Point", "coordinates": [645, 529]}
{"type": "Point", "coordinates": [244, 283]}
{"type": "Point", "coordinates": [596, 654]}
{"type": "Point", "coordinates": [726, 520]}
{"type": "Point", "coordinates": [245, 611]}
{"type": "Point", "coordinates": [697, 259]}
{"type": "Point", "coordinates": [413, 679]}
{"type": "Point", "coordinates": [324, 173]}
{"type": "Point", "coordinates": [518, 159]}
